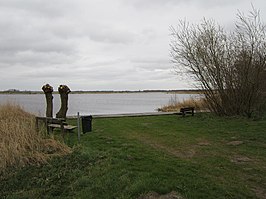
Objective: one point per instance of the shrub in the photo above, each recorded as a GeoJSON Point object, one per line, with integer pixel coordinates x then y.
{"type": "Point", "coordinates": [229, 67]}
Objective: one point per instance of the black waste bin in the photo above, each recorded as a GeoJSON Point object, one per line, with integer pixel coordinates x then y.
{"type": "Point", "coordinates": [86, 123]}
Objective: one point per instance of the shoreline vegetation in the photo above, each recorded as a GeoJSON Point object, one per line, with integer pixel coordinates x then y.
{"type": "Point", "coordinates": [183, 91]}
{"type": "Point", "coordinates": [174, 105]}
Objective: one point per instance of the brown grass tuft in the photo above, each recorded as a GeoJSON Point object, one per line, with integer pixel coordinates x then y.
{"type": "Point", "coordinates": [174, 106]}
{"type": "Point", "coordinates": [20, 143]}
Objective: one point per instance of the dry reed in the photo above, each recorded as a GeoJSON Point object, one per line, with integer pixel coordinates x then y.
{"type": "Point", "coordinates": [174, 105]}
{"type": "Point", "coordinates": [20, 143]}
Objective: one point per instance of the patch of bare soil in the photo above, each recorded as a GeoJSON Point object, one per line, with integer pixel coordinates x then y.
{"type": "Point", "coordinates": [154, 195]}
{"type": "Point", "coordinates": [204, 143]}
{"type": "Point", "coordinates": [235, 143]}
{"type": "Point", "coordinates": [260, 193]}
{"type": "Point", "coordinates": [240, 159]}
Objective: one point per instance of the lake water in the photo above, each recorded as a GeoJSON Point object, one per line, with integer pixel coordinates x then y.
{"type": "Point", "coordinates": [93, 104]}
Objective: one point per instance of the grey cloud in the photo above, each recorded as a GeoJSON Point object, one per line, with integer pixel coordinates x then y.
{"type": "Point", "coordinates": [20, 43]}
{"type": "Point", "coordinates": [150, 60]}
{"type": "Point", "coordinates": [98, 32]}
{"type": "Point", "coordinates": [96, 44]}
{"type": "Point", "coordinates": [25, 38]}
{"type": "Point", "coordinates": [34, 59]}
{"type": "Point", "coordinates": [19, 50]}
{"type": "Point", "coordinates": [162, 3]}
{"type": "Point", "coordinates": [94, 71]}
{"type": "Point", "coordinates": [110, 35]}
{"type": "Point", "coordinates": [39, 7]}
{"type": "Point", "coordinates": [151, 3]}
{"type": "Point", "coordinates": [29, 38]}
{"type": "Point", "coordinates": [154, 67]}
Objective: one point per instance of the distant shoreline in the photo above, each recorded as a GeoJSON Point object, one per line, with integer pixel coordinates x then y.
{"type": "Point", "coordinates": [109, 92]}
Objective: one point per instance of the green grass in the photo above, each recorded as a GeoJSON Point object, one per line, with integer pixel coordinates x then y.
{"type": "Point", "coordinates": [127, 157]}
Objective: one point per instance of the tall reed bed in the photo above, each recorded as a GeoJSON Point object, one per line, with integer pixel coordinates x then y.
{"type": "Point", "coordinates": [20, 143]}
{"type": "Point", "coordinates": [174, 104]}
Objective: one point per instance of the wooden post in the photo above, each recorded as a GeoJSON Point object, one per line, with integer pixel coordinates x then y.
{"type": "Point", "coordinates": [48, 90]}
{"type": "Point", "coordinates": [46, 125]}
{"type": "Point", "coordinates": [78, 122]}
{"type": "Point", "coordinates": [36, 124]}
{"type": "Point", "coordinates": [62, 128]}
{"type": "Point", "coordinates": [63, 91]}
{"type": "Point", "coordinates": [182, 110]}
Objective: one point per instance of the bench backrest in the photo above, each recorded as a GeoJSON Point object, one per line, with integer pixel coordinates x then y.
{"type": "Point", "coordinates": [187, 109]}
{"type": "Point", "coordinates": [51, 120]}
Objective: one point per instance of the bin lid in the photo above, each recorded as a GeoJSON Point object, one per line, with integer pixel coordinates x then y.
{"type": "Point", "coordinates": [86, 117]}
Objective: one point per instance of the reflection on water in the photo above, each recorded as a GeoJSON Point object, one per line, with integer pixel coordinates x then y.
{"type": "Point", "coordinates": [96, 103]}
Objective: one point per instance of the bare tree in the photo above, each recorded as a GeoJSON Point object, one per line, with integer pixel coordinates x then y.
{"type": "Point", "coordinates": [229, 67]}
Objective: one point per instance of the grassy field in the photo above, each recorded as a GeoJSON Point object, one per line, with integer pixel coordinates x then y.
{"type": "Point", "coordinates": [198, 157]}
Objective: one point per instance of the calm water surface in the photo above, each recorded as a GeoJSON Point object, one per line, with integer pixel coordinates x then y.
{"type": "Point", "coordinates": [95, 104]}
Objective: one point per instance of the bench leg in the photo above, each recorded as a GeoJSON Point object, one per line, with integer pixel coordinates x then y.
{"type": "Point", "coordinates": [36, 124]}
{"type": "Point", "coordinates": [62, 130]}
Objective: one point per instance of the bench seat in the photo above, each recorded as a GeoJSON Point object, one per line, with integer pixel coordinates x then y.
{"type": "Point", "coordinates": [66, 127]}
{"type": "Point", "coordinates": [187, 110]}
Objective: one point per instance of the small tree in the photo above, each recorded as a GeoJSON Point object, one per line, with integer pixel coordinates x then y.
{"type": "Point", "coordinates": [229, 67]}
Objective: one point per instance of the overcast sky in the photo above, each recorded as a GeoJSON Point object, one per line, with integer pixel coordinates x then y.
{"type": "Point", "coordinates": [99, 44]}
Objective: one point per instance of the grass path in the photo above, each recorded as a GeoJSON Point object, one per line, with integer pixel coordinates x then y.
{"type": "Point", "coordinates": [198, 157]}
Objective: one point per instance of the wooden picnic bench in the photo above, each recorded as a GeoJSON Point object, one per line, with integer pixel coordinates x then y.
{"type": "Point", "coordinates": [187, 110]}
{"type": "Point", "coordinates": [52, 123]}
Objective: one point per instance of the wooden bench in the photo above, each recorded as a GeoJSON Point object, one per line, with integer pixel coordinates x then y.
{"type": "Point", "coordinates": [187, 110]}
{"type": "Point", "coordinates": [52, 123]}
{"type": "Point", "coordinates": [65, 126]}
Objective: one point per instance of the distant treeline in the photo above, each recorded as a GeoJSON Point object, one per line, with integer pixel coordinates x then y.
{"type": "Point", "coordinates": [14, 91]}
{"type": "Point", "coordinates": [184, 91]}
